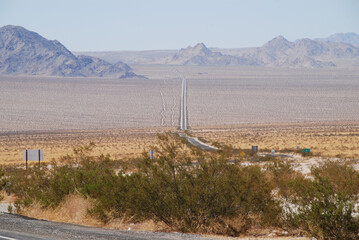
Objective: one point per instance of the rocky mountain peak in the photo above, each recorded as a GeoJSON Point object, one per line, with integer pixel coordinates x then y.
{"type": "Point", "coordinates": [309, 47]}
{"type": "Point", "coordinates": [16, 38]}
{"type": "Point", "coordinates": [26, 52]}
{"type": "Point", "coordinates": [199, 49]}
{"type": "Point", "coordinates": [200, 46]}
{"type": "Point", "coordinates": [278, 44]}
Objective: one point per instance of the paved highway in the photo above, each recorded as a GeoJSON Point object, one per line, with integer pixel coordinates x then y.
{"type": "Point", "coordinates": [184, 118]}
{"type": "Point", "coordinates": [183, 114]}
{"type": "Point", "coordinates": [16, 227]}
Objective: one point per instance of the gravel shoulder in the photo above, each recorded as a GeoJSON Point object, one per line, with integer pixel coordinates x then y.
{"type": "Point", "coordinates": [13, 226]}
{"type": "Point", "coordinates": [21, 227]}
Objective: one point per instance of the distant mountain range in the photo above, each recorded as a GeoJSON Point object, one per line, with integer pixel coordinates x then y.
{"type": "Point", "coordinates": [278, 52]}
{"type": "Point", "coordinates": [201, 55]}
{"type": "Point", "coordinates": [350, 38]}
{"type": "Point", "coordinates": [26, 52]}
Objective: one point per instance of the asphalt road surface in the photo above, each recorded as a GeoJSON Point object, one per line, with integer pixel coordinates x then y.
{"type": "Point", "coordinates": [17, 227]}
{"type": "Point", "coordinates": [184, 117]}
{"type": "Point", "coordinates": [196, 142]}
{"type": "Point", "coordinates": [183, 114]}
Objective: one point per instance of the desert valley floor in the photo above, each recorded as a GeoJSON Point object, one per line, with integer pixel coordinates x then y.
{"type": "Point", "coordinates": [273, 108]}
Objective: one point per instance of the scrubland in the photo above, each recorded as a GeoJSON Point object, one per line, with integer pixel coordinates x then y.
{"type": "Point", "coordinates": [325, 139]}
{"type": "Point", "coordinates": [186, 189]}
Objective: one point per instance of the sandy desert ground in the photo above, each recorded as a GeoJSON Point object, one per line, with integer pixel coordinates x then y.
{"type": "Point", "coordinates": [240, 106]}
{"type": "Point", "coordinates": [325, 139]}
{"type": "Point", "coordinates": [120, 144]}
{"type": "Point", "coordinates": [216, 96]}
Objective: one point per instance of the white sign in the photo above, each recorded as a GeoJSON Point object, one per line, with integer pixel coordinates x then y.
{"type": "Point", "coordinates": [33, 154]}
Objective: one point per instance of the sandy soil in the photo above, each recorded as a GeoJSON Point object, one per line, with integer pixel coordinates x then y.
{"type": "Point", "coordinates": [121, 144]}
{"type": "Point", "coordinates": [216, 96]}
{"type": "Point", "coordinates": [332, 139]}
{"type": "Point", "coordinates": [326, 139]}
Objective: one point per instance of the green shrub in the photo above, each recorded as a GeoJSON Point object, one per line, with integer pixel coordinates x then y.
{"type": "Point", "coordinates": [280, 174]}
{"type": "Point", "coordinates": [82, 173]}
{"type": "Point", "coordinates": [28, 185]}
{"type": "Point", "coordinates": [211, 196]}
{"type": "Point", "coordinates": [191, 190]}
{"type": "Point", "coordinates": [203, 197]}
{"type": "Point", "coordinates": [326, 203]}
{"type": "Point", "coordinates": [2, 183]}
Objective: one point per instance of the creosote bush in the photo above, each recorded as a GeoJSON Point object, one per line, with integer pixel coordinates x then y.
{"type": "Point", "coordinates": [2, 183]}
{"type": "Point", "coordinates": [202, 197]}
{"type": "Point", "coordinates": [195, 191]}
{"type": "Point", "coordinates": [326, 204]}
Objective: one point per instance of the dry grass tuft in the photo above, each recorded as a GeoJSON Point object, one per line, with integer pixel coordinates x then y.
{"type": "Point", "coordinates": [5, 198]}
{"type": "Point", "coordinates": [72, 210]}
{"type": "Point", "coordinates": [148, 225]}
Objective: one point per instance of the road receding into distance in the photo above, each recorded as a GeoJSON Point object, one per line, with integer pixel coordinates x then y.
{"type": "Point", "coordinates": [184, 118]}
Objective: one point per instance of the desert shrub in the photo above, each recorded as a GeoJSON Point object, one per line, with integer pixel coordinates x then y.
{"type": "Point", "coordinates": [266, 158]}
{"type": "Point", "coordinates": [2, 179]}
{"type": "Point", "coordinates": [28, 185]}
{"type": "Point", "coordinates": [286, 150]}
{"type": "Point", "coordinates": [191, 190]}
{"type": "Point", "coordinates": [97, 180]}
{"type": "Point", "coordinates": [205, 197]}
{"type": "Point", "coordinates": [60, 184]}
{"type": "Point", "coordinates": [80, 173]}
{"type": "Point", "coordinates": [326, 203]}
{"type": "Point", "coordinates": [2, 183]}
{"type": "Point", "coordinates": [47, 187]}
{"type": "Point", "coordinates": [210, 196]}
{"type": "Point", "coordinates": [281, 173]}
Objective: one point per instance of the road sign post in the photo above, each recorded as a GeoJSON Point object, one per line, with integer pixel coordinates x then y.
{"type": "Point", "coordinates": [26, 159]}
{"type": "Point", "coordinates": [152, 154]}
{"type": "Point", "coordinates": [306, 151]}
{"type": "Point", "coordinates": [33, 155]}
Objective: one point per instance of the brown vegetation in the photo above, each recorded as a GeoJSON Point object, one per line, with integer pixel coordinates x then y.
{"type": "Point", "coordinates": [172, 193]}
{"type": "Point", "coordinates": [333, 139]}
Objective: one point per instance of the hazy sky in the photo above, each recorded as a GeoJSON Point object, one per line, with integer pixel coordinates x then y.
{"type": "Point", "coordinates": [86, 25]}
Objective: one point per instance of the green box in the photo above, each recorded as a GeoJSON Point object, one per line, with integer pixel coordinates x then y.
{"type": "Point", "coordinates": [306, 150]}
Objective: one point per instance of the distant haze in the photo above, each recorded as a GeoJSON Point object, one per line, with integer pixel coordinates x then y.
{"type": "Point", "coordinates": [84, 25]}
{"type": "Point", "coordinates": [216, 96]}
{"type": "Point", "coordinates": [342, 51]}
{"type": "Point", "coordinates": [26, 52]}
